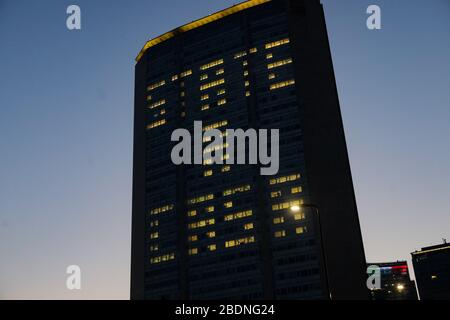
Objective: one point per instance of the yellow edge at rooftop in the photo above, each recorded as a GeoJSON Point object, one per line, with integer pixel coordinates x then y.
{"type": "Point", "coordinates": [198, 23]}
{"type": "Point", "coordinates": [431, 250]}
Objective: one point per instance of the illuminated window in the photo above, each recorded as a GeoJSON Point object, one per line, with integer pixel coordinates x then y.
{"type": "Point", "coordinates": [156, 85]}
{"type": "Point", "coordinates": [280, 234]}
{"type": "Point", "coordinates": [212, 84]}
{"type": "Point", "coordinates": [246, 73]}
{"type": "Point", "coordinates": [154, 248]}
{"type": "Point", "coordinates": [211, 234]}
{"type": "Point", "coordinates": [193, 251]}
{"type": "Point", "coordinates": [219, 72]}
{"type": "Point", "coordinates": [296, 190]}
{"type": "Point", "coordinates": [253, 50]}
{"type": "Point", "coordinates": [175, 77]}
{"type": "Point", "coordinates": [162, 112]}
{"type": "Point", "coordinates": [240, 54]}
{"type": "Point", "coordinates": [238, 215]}
{"type": "Point", "coordinates": [248, 226]}
{"type": "Point", "coordinates": [228, 204]}
{"type": "Point", "coordinates": [182, 94]}
{"type": "Point", "coordinates": [204, 97]}
{"type": "Point", "coordinates": [193, 238]}
{"type": "Point", "coordinates": [208, 173]}
{"type": "Point", "coordinates": [278, 220]}
{"type": "Point", "coordinates": [238, 242]}
{"type": "Point", "coordinates": [209, 209]}
{"type": "Point", "coordinates": [203, 77]}
{"type": "Point", "coordinates": [275, 194]}
{"type": "Point", "coordinates": [286, 205]}
{"type": "Point", "coordinates": [247, 93]}
{"type": "Point", "coordinates": [300, 230]}
{"type": "Point", "coordinates": [284, 179]}
{"type": "Point", "coordinates": [192, 213]}
{"type": "Point", "coordinates": [279, 63]}
{"type": "Point", "coordinates": [161, 209]}
{"type": "Point", "coordinates": [277, 43]}
{"type": "Point", "coordinates": [226, 168]}
{"type": "Point", "coordinates": [269, 56]}
{"type": "Point", "coordinates": [201, 199]}
{"type": "Point", "coordinates": [245, 63]}
{"type": "Point", "coordinates": [212, 247]}
{"type": "Point", "coordinates": [221, 102]}
{"type": "Point", "coordinates": [186, 73]}
{"type": "Point", "coordinates": [247, 83]}
{"type": "Point", "coordinates": [215, 125]}
{"type": "Point", "coordinates": [205, 107]}
{"type": "Point", "coordinates": [282, 84]}
{"type": "Point", "coordinates": [149, 98]}
{"type": "Point", "coordinates": [240, 189]}
{"type": "Point", "coordinates": [272, 76]}
{"type": "Point", "coordinates": [299, 216]}
{"type": "Point", "coordinates": [164, 258]}
{"type": "Point", "coordinates": [211, 64]}
{"type": "Point", "coordinates": [154, 235]}
{"type": "Point", "coordinates": [221, 92]}
{"type": "Point", "coordinates": [201, 223]}
{"type": "Point", "coordinates": [156, 124]}
{"type": "Point", "coordinates": [154, 223]}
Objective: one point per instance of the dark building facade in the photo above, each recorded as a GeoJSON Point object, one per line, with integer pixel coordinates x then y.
{"type": "Point", "coordinates": [432, 271]}
{"type": "Point", "coordinates": [226, 231]}
{"type": "Point", "coordinates": [396, 283]}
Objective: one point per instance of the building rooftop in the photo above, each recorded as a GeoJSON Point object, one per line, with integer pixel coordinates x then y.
{"type": "Point", "coordinates": [439, 247]}
{"type": "Point", "coordinates": [200, 22]}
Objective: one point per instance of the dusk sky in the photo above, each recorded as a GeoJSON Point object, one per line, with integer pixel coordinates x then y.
{"type": "Point", "coordinates": [66, 132]}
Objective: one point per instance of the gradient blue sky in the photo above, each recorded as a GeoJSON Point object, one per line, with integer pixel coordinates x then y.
{"type": "Point", "coordinates": [66, 116]}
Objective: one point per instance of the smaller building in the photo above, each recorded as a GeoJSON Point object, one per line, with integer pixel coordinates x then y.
{"type": "Point", "coordinates": [432, 270]}
{"type": "Point", "coordinates": [395, 282]}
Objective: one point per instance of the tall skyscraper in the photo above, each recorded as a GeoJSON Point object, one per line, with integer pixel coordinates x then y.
{"type": "Point", "coordinates": [226, 231]}
{"type": "Point", "coordinates": [432, 271]}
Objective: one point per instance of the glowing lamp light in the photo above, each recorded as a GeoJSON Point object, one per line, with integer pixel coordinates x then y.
{"type": "Point", "coordinates": [400, 287]}
{"type": "Point", "coordinates": [295, 208]}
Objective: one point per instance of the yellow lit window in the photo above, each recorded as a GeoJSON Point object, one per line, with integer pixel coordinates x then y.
{"type": "Point", "coordinates": [201, 199]}
{"type": "Point", "coordinates": [226, 168]}
{"type": "Point", "coordinates": [279, 63]}
{"type": "Point", "coordinates": [154, 223]}
{"type": "Point", "coordinates": [280, 234]}
{"type": "Point", "coordinates": [221, 102]}
{"type": "Point", "coordinates": [175, 77]}
{"type": "Point", "coordinates": [272, 76]}
{"type": "Point", "coordinates": [162, 112]}
{"type": "Point", "coordinates": [154, 248]}
{"type": "Point", "coordinates": [209, 209]}
{"type": "Point", "coordinates": [154, 235]}
{"type": "Point", "coordinates": [161, 209]}
{"type": "Point", "coordinates": [201, 223]}
{"type": "Point", "coordinates": [221, 92]}
{"type": "Point", "coordinates": [300, 230]}
{"type": "Point", "coordinates": [186, 73]}
{"type": "Point", "coordinates": [203, 77]}
{"type": "Point", "coordinates": [212, 247]}
{"type": "Point", "coordinates": [277, 43]}
{"type": "Point", "coordinates": [149, 98]}
{"type": "Point", "coordinates": [296, 190]}
{"type": "Point", "coordinates": [269, 56]}
{"type": "Point", "coordinates": [240, 54]}
{"type": "Point", "coordinates": [299, 216]}
{"type": "Point", "coordinates": [228, 204]}
{"type": "Point", "coordinates": [211, 64]}
{"type": "Point", "coordinates": [193, 238]}
{"type": "Point", "coordinates": [278, 220]}
{"type": "Point", "coordinates": [204, 97]}
{"type": "Point", "coordinates": [238, 242]}
{"type": "Point", "coordinates": [282, 84]}
{"type": "Point", "coordinates": [164, 258]}
{"type": "Point", "coordinates": [211, 234]}
{"type": "Point", "coordinates": [212, 84]}
{"type": "Point", "coordinates": [284, 179]}
{"type": "Point", "coordinates": [205, 107]}
{"type": "Point", "coordinates": [192, 213]}
{"type": "Point", "coordinates": [156, 85]}
{"type": "Point", "coordinates": [248, 226]}
{"type": "Point", "coordinates": [238, 215]}
{"type": "Point", "coordinates": [240, 189]}
{"type": "Point", "coordinates": [219, 72]}
{"type": "Point", "coordinates": [208, 173]}
{"type": "Point", "coordinates": [156, 124]}
{"type": "Point", "coordinates": [253, 50]}
{"type": "Point", "coordinates": [275, 194]}
{"type": "Point", "coordinates": [193, 251]}
{"type": "Point", "coordinates": [247, 93]}
{"type": "Point", "coordinates": [245, 63]}
{"type": "Point", "coordinates": [215, 125]}
{"type": "Point", "coordinates": [246, 73]}
{"type": "Point", "coordinates": [286, 205]}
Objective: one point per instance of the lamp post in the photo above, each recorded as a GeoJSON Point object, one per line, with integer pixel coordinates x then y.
{"type": "Point", "coordinates": [297, 208]}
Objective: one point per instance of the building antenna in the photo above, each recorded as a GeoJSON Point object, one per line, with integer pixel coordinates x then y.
{"type": "Point", "coordinates": [445, 240]}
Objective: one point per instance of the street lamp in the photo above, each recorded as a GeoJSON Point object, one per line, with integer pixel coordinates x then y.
{"type": "Point", "coordinates": [297, 208]}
